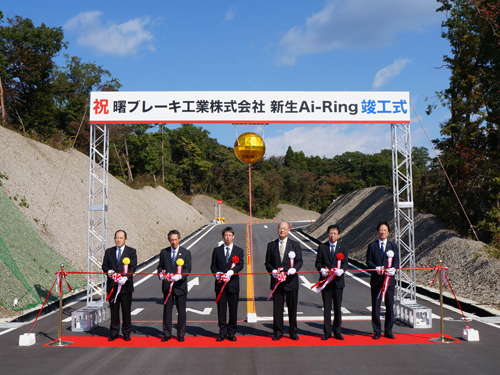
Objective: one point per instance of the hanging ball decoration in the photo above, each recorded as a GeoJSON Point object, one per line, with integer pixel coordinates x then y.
{"type": "Point", "coordinates": [249, 148]}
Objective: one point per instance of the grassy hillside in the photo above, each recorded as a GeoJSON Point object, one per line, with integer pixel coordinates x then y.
{"type": "Point", "coordinates": [27, 263]}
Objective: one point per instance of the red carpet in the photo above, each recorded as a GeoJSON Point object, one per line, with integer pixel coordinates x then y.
{"type": "Point", "coordinates": [248, 341]}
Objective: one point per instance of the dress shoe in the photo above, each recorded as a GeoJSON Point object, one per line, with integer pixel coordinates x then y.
{"type": "Point", "coordinates": [221, 338]}
{"type": "Point", "coordinates": [112, 338]}
{"type": "Point", "coordinates": [165, 338]}
{"type": "Point", "coordinates": [294, 337]}
{"type": "Point", "coordinates": [376, 336]}
{"type": "Point", "coordinates": [181, 339]}
{"type": "Point", "coordinates": [231, 338]}
{"type": "Point", "coordinates": [339, 337]}
{"type": "Point", "coordinates": [326, 336]}
{"type": "Point", "coordinates": [389, 335]}
{"type": "Point", "coordinates": [126, 337]}
{"type": "Point", "coordinates": [277, 337]}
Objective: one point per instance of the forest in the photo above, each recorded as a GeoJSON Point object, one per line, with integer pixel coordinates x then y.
{"type": "Point", "coordinates": [50, 103]}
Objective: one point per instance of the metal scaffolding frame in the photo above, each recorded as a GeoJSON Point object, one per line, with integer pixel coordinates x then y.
{"type": "Point", "coordinates": [406, 305]}
{"type": "Point", "coordinates": [403, 211]}
{"type": "Point", "coordinates": [97, 212]}
{"type": "Point", "coordinates": [402, 200]}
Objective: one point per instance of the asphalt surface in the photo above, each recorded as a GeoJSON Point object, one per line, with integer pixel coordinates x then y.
{"type": "Point", "coordinates": [464, 357]}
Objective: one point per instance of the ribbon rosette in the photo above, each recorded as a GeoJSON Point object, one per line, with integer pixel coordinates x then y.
{"type": "Point", "coordinates": [291, 255]}
{"type": "Point", "coordinates": [180, 263]}
{"type": "Point", "coordinates": [235, 260]}
{"type": "Point", "coordinates": [383, 291]}
{"type": "Point", "coordinates": [281, 276]}
{"type": "Point", "coordinates": [331, 275]}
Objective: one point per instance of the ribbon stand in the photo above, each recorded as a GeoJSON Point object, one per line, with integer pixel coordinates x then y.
{"type": "Point", "coordinates": [441, 339]}
{"type": "Point", "coordinates": [59, 341]}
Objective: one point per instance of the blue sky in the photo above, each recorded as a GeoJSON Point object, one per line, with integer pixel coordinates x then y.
{"type": "Point", "coordinates": [292, 45]}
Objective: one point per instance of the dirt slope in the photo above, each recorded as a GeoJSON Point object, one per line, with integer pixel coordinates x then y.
{"type": "Point", "coordinates": [473, 274]}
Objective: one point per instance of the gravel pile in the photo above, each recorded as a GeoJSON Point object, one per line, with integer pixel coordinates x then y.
{"type": "Point", "coordinates": [473, 274]}
{"type": "Point", "coordinates": [54, 186]}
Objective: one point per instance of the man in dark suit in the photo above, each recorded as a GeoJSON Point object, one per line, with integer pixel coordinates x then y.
{"type": "Point", "coordinates": [223, 258]}
{"type": "Point", "coordinates": [279, 254]}
{"type": "Point", "coordinates": [170, 259]}
{"type": "Point", "coordinates": [376, 258]}
{"type": "Point", "coordinates": [113, 264]}
{"type": "Point", "coordinates": [326, 261]}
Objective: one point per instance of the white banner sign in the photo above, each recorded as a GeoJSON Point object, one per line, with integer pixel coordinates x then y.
{"type": "Point", "coordinates": [249, 107]}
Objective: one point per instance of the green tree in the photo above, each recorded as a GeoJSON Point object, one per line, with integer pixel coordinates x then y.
{"type": "Point", "coordinates": [470, 137]}
{"type": "Point", "coordinates": [26, 69]}
{"type": "Point", "coordinates": [72, 87]}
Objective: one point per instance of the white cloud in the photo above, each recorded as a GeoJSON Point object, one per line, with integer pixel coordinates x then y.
{"type": "Point", "coordinates": [231, 13]}
{"type": "Point", "coordinates": [119, 39]}
{"type": "Point", "coordinates": [356, 24]}
{"type": "Point", "coordinates": [331, 140]}
{"type": "Point", "coordinates": [384, 75]}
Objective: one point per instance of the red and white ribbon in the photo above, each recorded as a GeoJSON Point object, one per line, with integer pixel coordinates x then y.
{"type": "Point", "coordinates": [223, 277]}
{"type": "Point", "coordinates": [281, 276]}
{"type": "Point", "coordinates": [61, 277]}
{"type": "Point", "coordinates": [115, 277]}
{"type": "Point", "coordinates": [291, 256]}
{"type": "Point", "coordinates": [125, 271]}
{"type": "Point", "coordinates": [383, 291]}
{"type": "Point", "coordinates": [325, 282]}
{"type": "Point", "coordinates": [331, 275]}
{"type": "Point", "coordinates": [168, 277]}
{"type": "Point", "coordinates": [445, 278]}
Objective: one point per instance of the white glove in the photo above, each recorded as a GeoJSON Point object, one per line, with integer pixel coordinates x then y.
{"type": "Point", "coordinates": [324, 272]}
{"type": "Point", "coordinates": [176, 277]}
{"type": "Point", "coordinates": [229, 273]}
{"type": "Point", "coordinates": [291, 271]}
{"type": "Point", "coordinates": [218, 275]}
{"type": "Point", "coordinates": [160, 276]}
{"type": "Point", "coordinates": [122, 280]}
{"type": "Point", "coordinates": [391, 271]}
{"type": "Point", "coordinates": [339, 272]}
{"type": "Point", "coordinates": [380, 270]}
{"type": "Point", "coordinates": [110, 273]}
{"type": "Point", "coordinates": [275, 273]}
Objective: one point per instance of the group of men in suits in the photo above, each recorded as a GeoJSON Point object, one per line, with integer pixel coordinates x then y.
{"type": "Point", "coordinates": [283, 261]}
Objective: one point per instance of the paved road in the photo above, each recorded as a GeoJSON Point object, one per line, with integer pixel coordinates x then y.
{"type": "Point", "coordinates": [461, 358]}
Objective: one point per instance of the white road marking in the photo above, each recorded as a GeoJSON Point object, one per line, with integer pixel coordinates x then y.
{"type": "Point", "coordinates": [193, 282]}
{"type": "Point", "coordinates": [195, 242]}
{"type": "Point", "coordinates": [136, 311]}
{"type": "Point", "coordinates": [306, 283]}
{"type": "Point", "coordinates": [307, 246]}
{"type": "Point", "coordinates": [317, 318]}
{"type": "Point", "coordinates": [206, 311]}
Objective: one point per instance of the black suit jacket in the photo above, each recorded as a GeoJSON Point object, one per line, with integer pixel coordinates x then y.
{"type": "Point", "coordinates": [374, 258]}
{"type": "Point", "coordinates": [219, 265]}
{"type": "Point", "coordinates": [180, 287]}
{"type": "Point", "coordinates": [324, 259]}
{"type": "Point", "coordinates": [273, 262]}
{"type": "Point", "coordinates": [110, 263]}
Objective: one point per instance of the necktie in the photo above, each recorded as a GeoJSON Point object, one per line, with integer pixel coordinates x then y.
{"type": "Point", "coordinates": [119, 255]}
{"type": "Point", "coordinates": [173, 258]}
{"type": "Point", "coordinates": [332, 251]}
{"type": "Point", "coordinates": [228, 253]}
{"type": "Point", "coordinates": [382, 248]}
{"type": "Point", "coordinates": [282, 250]}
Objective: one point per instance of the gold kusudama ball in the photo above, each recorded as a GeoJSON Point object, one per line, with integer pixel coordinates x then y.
{"type": "Point", "coordinates": [249, 148]}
